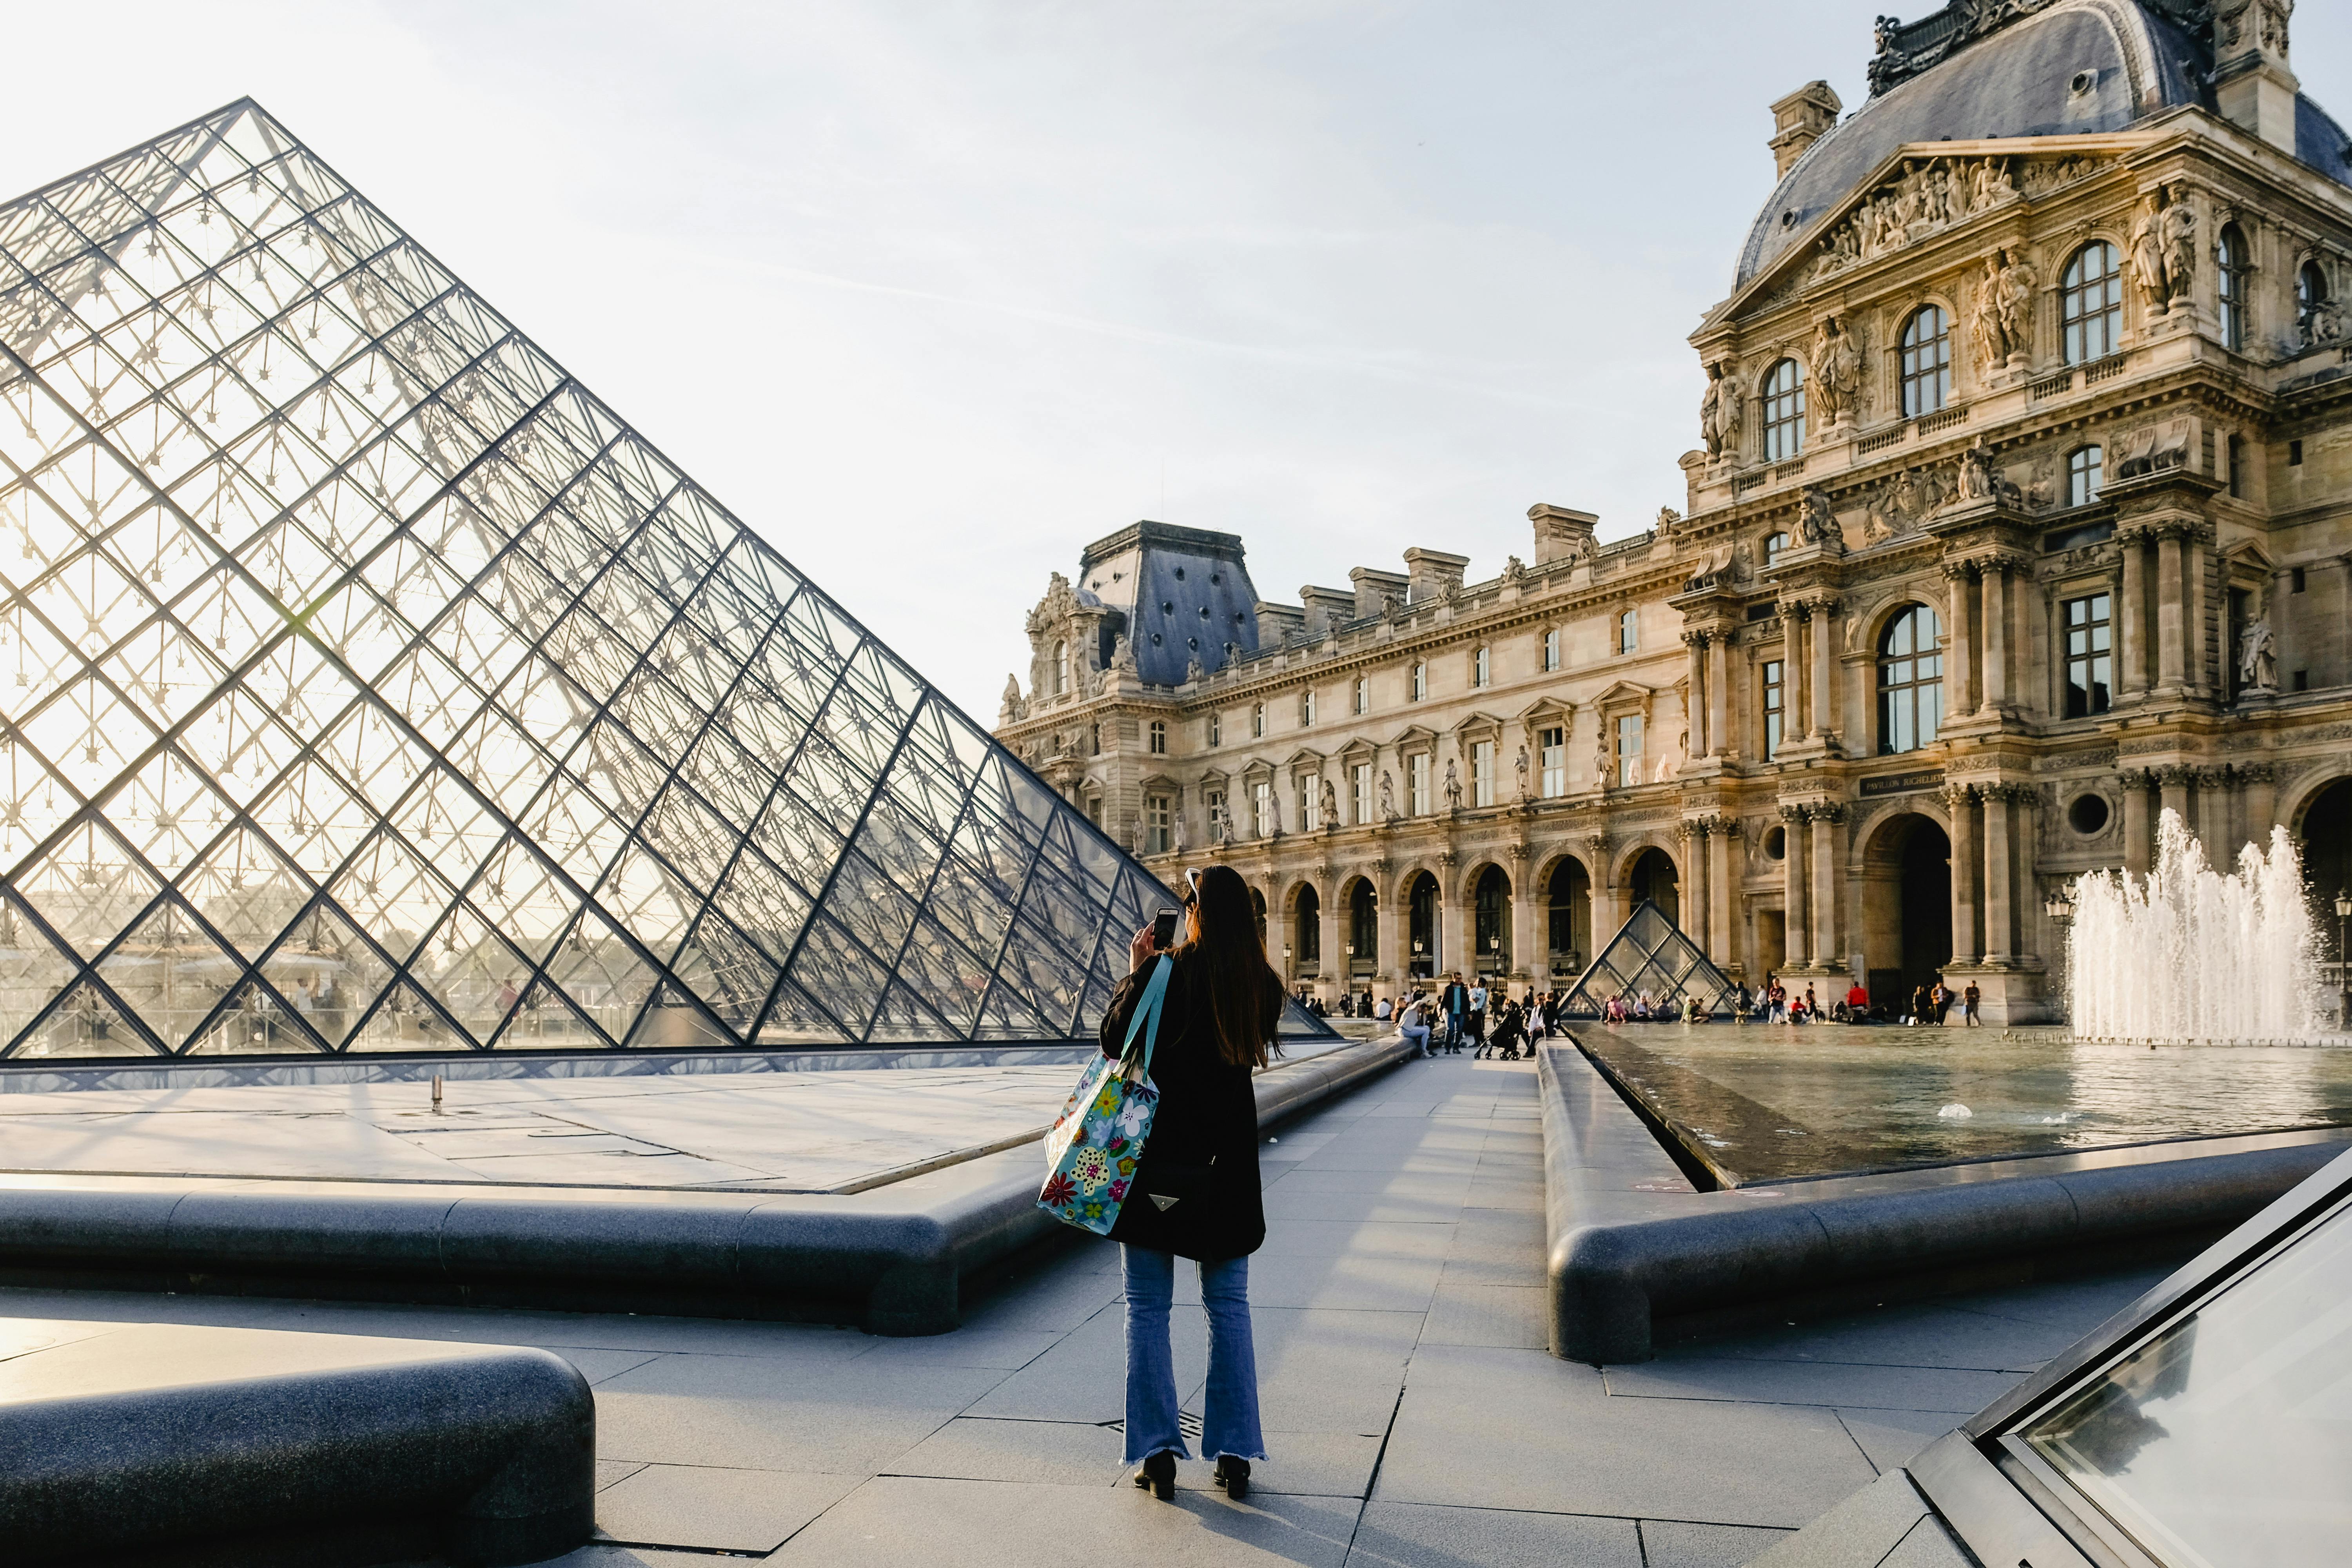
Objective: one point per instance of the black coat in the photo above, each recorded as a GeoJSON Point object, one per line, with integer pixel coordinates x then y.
{"type": "Point", "coordinates": [1201, 1153]}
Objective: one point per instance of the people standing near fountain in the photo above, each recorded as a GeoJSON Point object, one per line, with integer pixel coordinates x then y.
{"type": "Point", "coordinates": [1222, 1004]}
{"type": "Point", "coordinates": [1812, 1007]}
{"type": "Point", "coordinates": [1454, 1003]}
{"type": "Point", "coordinates": [1918, 1013]}
{"type": "Point", "coordinates": [1968, 1000]}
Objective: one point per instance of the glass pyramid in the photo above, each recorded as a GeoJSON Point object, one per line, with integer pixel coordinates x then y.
{"type": "Point", "coordinates": [1649, 953]}
{"type": "Point", "coordinates": [367, 685]}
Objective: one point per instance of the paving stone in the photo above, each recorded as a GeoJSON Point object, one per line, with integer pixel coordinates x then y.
{"type": "Point", "coordinates": [985, 1449]}
{"type": "Point", "coordinates": [1857, 1533]}
{"type": "Point", "coordinates": [893, 1521]}
{"type": "Point", "coordinates": [596, 1366]}
{"type": "Point", "coordinates": [1510, 1316]}
{"type": "Point", "coordinates": [727, 1411]}
{"type": "Point", "coordinates": [1914, 1334]}
{"type": "Point", "coordinates": [1410, 1535]}
{"type": "Point", "coordinates": [1670, 1543]}
{"type": "Point", "coordinates": [714, 1509]}
{"type": "Point", "coordinates": [1688, 1376]}
{"type": "Point", "coordinates": [610, 1471]}
{"type": "Point", "coordinates": [1892, 1437]}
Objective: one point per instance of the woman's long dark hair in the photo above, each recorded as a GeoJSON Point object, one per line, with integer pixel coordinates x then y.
{"type": "Point", "coordinates": [1226, 977]}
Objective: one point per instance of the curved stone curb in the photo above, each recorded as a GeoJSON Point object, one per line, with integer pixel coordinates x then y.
{"type": "Point", "coordinates": [891, 1259]}
{"type": "Point", "coordinates": [119, 1441]}
{"type": "Point", "coordinates": [1630, 1243]}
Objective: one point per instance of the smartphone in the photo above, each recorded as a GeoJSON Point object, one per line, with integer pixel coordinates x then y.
{"type": "Point", "coordinates": [1163, 931]}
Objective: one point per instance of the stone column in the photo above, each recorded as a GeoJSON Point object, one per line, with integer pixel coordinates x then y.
{"type": "Point", "coordinates": [1823, 685]}
{"type": "Point", "coordinates": [2139, 824]}
{"type": "Point", "coordinates": [1792, 871]}
{"type": "Point", "coordinates": [1391, 949]}
{"type": "Point", "coordinates": [2173, 796]}
{"type": "Point", "coordinates": [1606, 914]}
{"type": "Point", "coordinates": [1960, 674]}
{"type": "Point", "coordinates": [1792, 670]}
{"type": "Point", "coordinates": [1695, 704]}
{"type": "Point", "coordinates": [1336, 977]}
{"type": "Point", "coordinates": [1720, 831]}
{"type": "Point", "coordinates": [2214, 800]}
{"type": "Point", "coordinates": [1961, 801]}
{"type": "Point", "coordinates": [2261, 802]}
{"type": "Point", "coordinates": [1526, 943]}
{"type": "Point", "coordinates": [2131, 622]}
{"type": "Point", "coordinates": [1721, 741]}
{"type": "Point", "coordinates": [2000, 869]}
{"type": "Point", "coordinates": [1696, 903]}
{"type": "Point", "coordinates": [1996, 637]}
{"type": "Point", "coordinates": [1827, 819]}
{"type": "Point", "coordinates": [2172, 612]}
{"type": "Point", "coordinates": [1460, 929]}
{"type": "Point", "coordinates": [2196, 571]}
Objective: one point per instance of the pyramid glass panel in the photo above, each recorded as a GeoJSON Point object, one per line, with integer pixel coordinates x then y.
{"type": "Point", "coordinates": [367, 685]}
{"type": "Point", "coordinates": [1649, 955]}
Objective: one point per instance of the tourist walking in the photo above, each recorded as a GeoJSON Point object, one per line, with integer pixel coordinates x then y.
{"type": "Point", "coordinates": [1199, 1172]}
{"type": "Point", "coordinates": [1968, 1000]}
{"type": "Point", "coordinates": [1456, 1005]}
{"type": "Point", "coordinates": [1477, 1015]}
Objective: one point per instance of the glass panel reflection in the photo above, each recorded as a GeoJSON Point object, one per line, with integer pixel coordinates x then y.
{"type": "Point", "coordinates": [2226, 1440]}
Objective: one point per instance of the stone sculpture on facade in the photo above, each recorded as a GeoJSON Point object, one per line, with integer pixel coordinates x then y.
{"type": "Point", "coordinates": [1522, 766]}
{"type": "Point", "coordinates": [1388, 797]}
{"type": "Point", "coordinates": [1977, 481]}
{"type": "Point", "coordinates": [1328, 798]}
{"type": "Point", "coordinates": [1452, 787]}
{"type": "Point", "coordinates": [1012, 710]}
{"type": "Point", "coordinates": [1718, 414]}
{"type": "Point", "coordinates": [1926, 197]}
{"type": "Point", "coordinates": [2257, 664]}
{"type": "Point", "coordinates": [1817, 523]}
{"type": "Point", "coordinates": [1837, 372]}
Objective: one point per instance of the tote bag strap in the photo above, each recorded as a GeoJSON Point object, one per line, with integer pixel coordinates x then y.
{"type": "Point", "coordinates": [1145, 1018]}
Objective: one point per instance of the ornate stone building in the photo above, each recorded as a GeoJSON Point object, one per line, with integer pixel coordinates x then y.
{"type": "Point", "coordinates": [2020, 518]}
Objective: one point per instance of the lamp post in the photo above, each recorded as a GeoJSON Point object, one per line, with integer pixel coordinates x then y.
{"type": "Point", "coordinates": [2060, 907]}
{"type": "Point", "coordinates": [2343, 968]}
{"type": "Point", "coordinates": [1494, 955]}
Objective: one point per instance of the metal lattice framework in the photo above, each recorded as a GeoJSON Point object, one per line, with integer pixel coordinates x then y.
{"type": "Point", "coordinates": [1649, 953]}
{"type": "Point", "coordinates": [367, 685]}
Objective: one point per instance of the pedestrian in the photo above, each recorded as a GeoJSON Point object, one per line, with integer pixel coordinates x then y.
{"type": "Point", "coordinates": [1812, 1007]}
{"type": "Point", "coordinates": [1968, 1000]}
{"type": "Point", "coordinates": [1918, 1006]}
{"type": "Point", "coordinates": [1196, 1193]}
{"type": "Point", "coordinates": [1456, 1005]}
{"type": "Point", "coordinates": [1940, 1000]}
{"type": "Point", "coordinates": [1477, 1015]}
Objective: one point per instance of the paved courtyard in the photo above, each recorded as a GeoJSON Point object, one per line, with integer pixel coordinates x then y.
{"type": "Point", "coordinates": [1412, 1414]}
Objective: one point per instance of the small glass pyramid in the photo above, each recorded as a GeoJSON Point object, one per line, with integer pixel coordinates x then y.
{"type": "Point", "coordinates": [1649, 953]}
{"type": "Point", "coordinates": [367, 685]}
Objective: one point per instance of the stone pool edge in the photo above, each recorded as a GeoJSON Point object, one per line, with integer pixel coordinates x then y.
{"type": "Point", "coordinates": [1632, 1249]}
{"type": "Point", "coordinates": [894, 1260]}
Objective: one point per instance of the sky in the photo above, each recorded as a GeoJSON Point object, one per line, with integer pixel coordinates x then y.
{"type": "Point", "coordinates": [932, 294]}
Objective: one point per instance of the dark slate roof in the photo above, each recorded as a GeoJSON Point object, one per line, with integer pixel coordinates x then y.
{"type": "Point", "coordinates": [2017, 82]}
{"type": "Point", "coordinates": [1183, 594]}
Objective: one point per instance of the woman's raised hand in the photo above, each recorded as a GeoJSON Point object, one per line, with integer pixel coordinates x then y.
{"type": "Point", "coordinates": [1139, 951]}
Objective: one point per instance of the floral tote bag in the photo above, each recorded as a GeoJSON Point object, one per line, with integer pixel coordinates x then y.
{"type": "Point", "coordinates": [1093, 1146]}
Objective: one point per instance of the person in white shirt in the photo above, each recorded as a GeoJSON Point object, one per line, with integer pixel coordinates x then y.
{"type": "Point", "coordinates": [1477, 1023]}
{"type": "Point", "coordinates": [1411, 1023]}
{"type": "Point", "coordinates": [1383, 1011]}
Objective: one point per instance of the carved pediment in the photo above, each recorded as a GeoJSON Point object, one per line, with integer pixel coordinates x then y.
{"type": "Point", "coordinates": [1924, 195]}
{"type": "Point", "coordinates": [1415, 737]}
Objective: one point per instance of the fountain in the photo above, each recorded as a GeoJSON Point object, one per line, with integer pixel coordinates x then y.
{"type": "Point", "coordinates": [2192, 954]}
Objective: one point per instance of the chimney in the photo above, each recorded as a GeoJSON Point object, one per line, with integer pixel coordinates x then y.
{"type": "Point", "coordinates": [1561, 532]}
{"type": "Point", "coordinates": [1374, 589]}
{"type": "Point", "coordinates": [2252, 86]}
{"type": "Point", "coordinates": [1326, 607]}
{"type": "Point", "coordinates": [1428, 573]}
{"type": "Point", "coordinates": [1799, 121]}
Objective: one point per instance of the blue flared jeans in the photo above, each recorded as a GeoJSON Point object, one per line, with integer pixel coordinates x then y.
{"type": "Point", "coordinates": [1229, 1421]}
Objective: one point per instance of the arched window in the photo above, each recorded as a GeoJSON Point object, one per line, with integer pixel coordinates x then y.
{"type": "Point", "coordinates": [2229, 255]}
{"type": "Point", "coordinates": [2091, 303]}
{"type": "Point", "coordinates": [1363, 694]}
{"type": "Point", "coordinates": [1061, 667]}
{"type": "Point", "coordinates": [2083, 474]}
{"type": "Point", "coordinates": [1306, 708]}
{"type": "Point", "coordinates": [1784, 411]}
{"type": "Point", "coordinates": [1551, 648]}
{"type": "Point", "coordinates": [1927, 362]}
{"type": "Point", "coordinates": [1910, 681]}
{"type": "Point", "coordinates": [1482, 667]}
{"type": "Point", "coordinates": [1257, 719]}
{"type": "Point", "coordinates": [2310, 293]}
{"type": "Point", "coordinates": [1773, 544]}
{"type": "Point", "coordinates": [1419, 681]}
{"type": "Point", "coordinates": [1216, 728]}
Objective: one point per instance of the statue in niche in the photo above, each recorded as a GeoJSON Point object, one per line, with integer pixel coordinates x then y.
{"type": "Point", "coordinates": [1522, 766]}
{"type": "Point", "coordinates": [1976, 479]}
{"type": "Point", "coordinates": [2143, 254]}
{"type": "Point", "coordinates": [1600, 761]}
{"type": "Point", "coordinates": [2013, 288]}
{"type": "Point", "coordinates": [1718, 412]}
{"type": "Point", "coordinates": [2179, 231]}
{"type": "Point", "coordinates": [1817, 523]}
{"type": "Point", "coordinates": [1837, 371]}
{"type": "Point", "coordinates": [1329, 799]}
{"type": "Point", "coordinates": [1452, 787]}
{"type": "Point", "coordinates": [1388, 797]}
{"type": "Point", "coordinates": [2257, 664]}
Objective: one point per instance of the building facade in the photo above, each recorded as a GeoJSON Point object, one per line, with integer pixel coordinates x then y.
{"type": "Point", "coordinates": [2019, 519]}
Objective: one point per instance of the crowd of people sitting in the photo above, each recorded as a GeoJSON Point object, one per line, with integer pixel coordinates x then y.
{"type": "Point", "coordinates": [1449, 1013]}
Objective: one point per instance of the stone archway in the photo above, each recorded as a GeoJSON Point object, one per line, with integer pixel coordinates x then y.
{"type": "Point", "coordinates": [1491, 923]}
{"type": "Point", "coordinates": [1567, 922]}
{"type": "Point", "coordinates": [1421, 902]}
{"type": "Point", "coordinates": [1303, 934]}
{"type": "Point", "coordinates": [2324, 836]}
{"type": "Point", "coordinates": [1360, 928]}
{"type": "Point", "coordinates": [1906, 906]}
{"type": "Point", "coordinates": [1653, 876]}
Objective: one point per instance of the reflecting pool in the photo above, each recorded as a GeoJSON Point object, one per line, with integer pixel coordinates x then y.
{"type": "Point", "coordinates": [1761, 1102]}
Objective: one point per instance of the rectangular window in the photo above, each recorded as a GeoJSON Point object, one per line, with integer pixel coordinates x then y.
{"type": "Point", "coordinates": [1160, 737]}
{"type": "Point", "coordinates": [1552, 744]}
{"type": "Point", "coordinates": [1629, 632]}
{"type": "Point", "coordinates": [1158, 824]}
{"type": "Point", "coordinates": [1257, 721]}
{"type": "Point", "coordinates": [2294, 454]}
{"type": "Point", "coordinates": [1360, 783]}
{"type": "Point", "coordinates": [2240, 606]}
{"type": "Point", "coordinates": [1482, 772]}
{"type": "Point", "coordinates": [1551, 650]}
{"type": "Point", "coordinates": [2237, 467]}
{"type": "Point", "coordinates": [1310, 809]}
{"type": "Point", "coordinates": [1482, 667]}
{"type": "Point", "coordinates": [1306, 708]}
{"type": "Point", "coordinates": [1094, 810]}
{"type": "Point", "coordinates": [1416, 785]}
{"type": "Point", "coordinates": [2088, 655]}
{"type": "Point", "coordinates": [1363, 694]}
{"type": "Point", "coordinates": [1216, 801]}
{"type": "Point", "coordinates": [2294, 581]}
{"type": "Point", "coordinates": [1420, 681]}
{"type": "Point", "coordinates": [1772, 709]}
{"type": "Point", "coordinates": [1628, 751]}
{"type": "Point", "coordinates": [1263, 800]}
{"type": "Point", "coordinates": [1216, 730]}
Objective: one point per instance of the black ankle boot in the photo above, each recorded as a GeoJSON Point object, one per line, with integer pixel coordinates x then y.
{"type": "Point", "coordinates": [1234, 1476]}
{"type": "Point", "coordinates": [1159, 1473]}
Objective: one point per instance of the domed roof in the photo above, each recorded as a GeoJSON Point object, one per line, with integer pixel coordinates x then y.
{"type": "Point", "coordinates": [2021, 80]}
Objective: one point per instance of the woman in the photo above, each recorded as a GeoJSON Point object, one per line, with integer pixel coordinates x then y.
{"type": "Point", "coordinates": [1195, 1192]}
